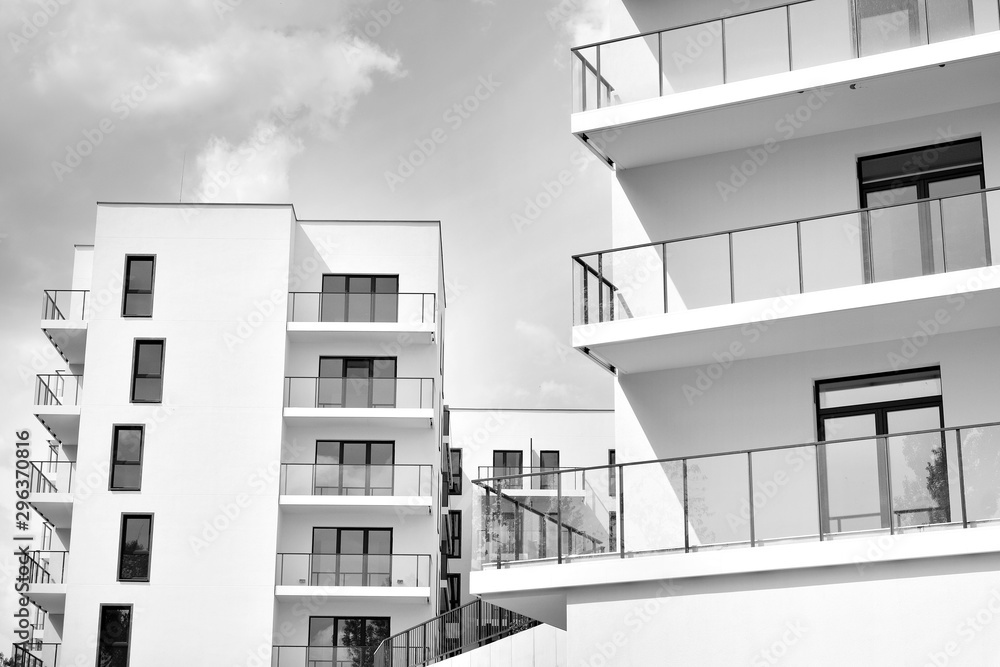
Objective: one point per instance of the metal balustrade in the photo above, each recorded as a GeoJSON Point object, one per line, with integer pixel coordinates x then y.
{"type": "Point", "coordinates": [359, 392]}
{"type": "Point", "coordinates": [56, 389]}
{"type": "Point", "coordinates": [368, 570]}
{"type": "Point", "coordinates": [355, 307]}
{"type": "Point", "coordinates": [332, 479]}
{"type": "Point", "coordinates": [51, 476]}
{"type": "Point", "coordinates": [65, 304]}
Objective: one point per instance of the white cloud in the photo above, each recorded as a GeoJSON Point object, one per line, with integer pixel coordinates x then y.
{"type": "Point", "coordinates": [541, 344]}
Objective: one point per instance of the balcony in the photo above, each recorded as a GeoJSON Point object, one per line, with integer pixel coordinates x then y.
{"type": "Point", "coordinates": [809, 505]}
{"type": "Point", "coordinates": [50, 487]}
{"type": "Point", "coordinates": [319, 487]}
{"type": "Point", "coordinates": [57, 405]}
{"type": "Point", "coordinates": [35, 654]}
{"type": "Point", "coordinates": [64, 322]}
{"type": "Point", "coordinates": [402, 318]}
{"type": "Point", "coordinates": [396, 577]}
{"type": "Point", "coordinates": [47, 580]}
{"type": "Point", "coordinates": [810, 284]}
{"type": "Point", "coordinates": [371, 401]}
{"type": "Point", "coordinates": [720, 84]}
{"type": "Point", "coordinates": [539, 488]}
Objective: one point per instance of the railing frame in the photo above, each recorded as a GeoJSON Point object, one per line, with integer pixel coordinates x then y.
{"type": "Point", "coordinates": [423, 561]}
{"type": "Point", "coordinates": [344, 384]}
{"type": "Point", "coordinates": [422, 468]}
{"type": "Point", "coordinates": [292, 298]}
{"type": "Point", "coordinates": [50, 304]}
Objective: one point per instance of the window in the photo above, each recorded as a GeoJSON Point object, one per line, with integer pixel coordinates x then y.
{"type": "Point", "coordinates": [877, 479]}
{"type": "Point", "coordinates": [454, 590]}
{"type": "Point", "coordinates": [147, 371]}
{"type": "Point", "coordinates": [612, 530]}
{"type": "Point", "coordinates": [345, 642]}
{"type": "Point", "coordinates": [548, 461]}
{"type": "Point", "coordinates": [612, 474]}
{"type": "Point", "coordinates": [357, 382]}
{"type": "Point", "coordinates": [454, 534]}
{"type": "Point", "coordinates": [345, 468]}
{"type": "Point", "coordinates": [909, 237]}
{"type": "Point", "coordinates": [455, 481]}
{"type": "Point", "coordinates": [114, 635]}
{"type": "Point", "coordinates": [359, 298]}
{"type": "Point", "coordinates": [134, 548]}
{"type": "Point", "coordinates": [126, 458]}
{"type": "Point", "coordinates": [352, 557]}
{"type": "Point", "coordinates": [889, 25]}
{"type": "Point", "coordinates": [137, 300]}
{"type": "Point", "coordinates": [507, 462]}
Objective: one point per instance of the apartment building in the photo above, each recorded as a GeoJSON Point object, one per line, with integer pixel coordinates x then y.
{"type": "Point", "coordinates": [246, 466]}
{"type": "Point", "coordinates": [801, 312]}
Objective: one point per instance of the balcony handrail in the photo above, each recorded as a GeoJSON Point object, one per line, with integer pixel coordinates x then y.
{"type": "Point", "coordinates": [425, 475]}
{"type": "Point", "coordinates": [35, 559]}
{"type": "Point", "coordinates": [688, 25]}
{"type": "Point", "coordinates": [347, 377]}
{"type": "Point", "coordinates": [483, 620]}
{"type": "Point", "coordinates": [679, 459]}
{"type": "Point", "coordinates": [51, 398]}
{"type": "Point", "coordinates": [423, 298]}
{"type": "Point", "coordinates": [396, 560]}
{"type": "Point", "coordinates": [380, 293]}
{"type": "Point", "coordinates": [50, 303]}
{"type": "Point", "coordinates": [42, 483]}
{"type": "Point", "coordinates": [321, 553]}
{"type": "Point", "coordinates": [791, 221]}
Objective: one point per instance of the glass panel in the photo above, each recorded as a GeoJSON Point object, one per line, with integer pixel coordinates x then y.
{"type": "Point", "coordinates": [718, 490]}
{"type": "Point", "coordinates": [879, 389]}
{"type": "Point", "coordinates": [127, 477]}
{"type": "Point", "coordinates": [359, 284]}
{"type": "Point", "coordinates": [327, 451]}
{"type": "Point", "coordinates": [140, 274]}
{"type": "Point", "coordinates": [638, 276]}
{"type": "Point", "coordinates": [386, 284]}
{"type": "Point", "coordinates": [333, 307]}
{"type": "Point", "coordinates": [149, 358]}
{"type": "Point", "coordinates": [756, 44]}
{"type": "Point", "coordinates": [785, 500]}
{"type": "Point", "coordinates": [949, 19]}
{"type": "Point", "coordinates": [379, 541]}
{"type": "Point", "coordinates": [128, 444]}
{"type": "Point", "coordinates": [331, 367]}
{"type": "Point", "coordinates": [381, 453]}
{"type": "Point", "coordinates": [630, 68]}
{"type": "Point", "coordinates": [325, 541]}
{"type": "Point", "coordinates": [963, 221]}
{"type": "Point", "coordinates": [853, 490]}
{"type": "Point", "coordinates": [698, 273]}
{"type": "Point", "coordinates": [384, 393]}
{"type": "Point", "coordinates": [384, 368]}
{"type": "Point", "coordinates": [135, 548]}
{"type": "Point", "coordinates": [692, 57]}
{"type": "Point", "coordinates": [900, 245]}
{"type": "Point", "coordinates": [138, 304]}
{"type": "Point", "coordinates": [148, 390]}
{"type": "Point", "coordinates": [918, 469]}
{"type": "Point", "coordinates": [821, 33]}
{"type": "Point", "coordinates": [359, 307]}
{"type": "Point", "coordinates": [330, 392]}
{"type": "Point", "coordinates": [981, 468]}
{"type": "Point", "coordinates": [985, 16]}
{"type": "Point", "coordinates": [385, 308]}
{"type": "Point", "coordinates": [334, 283]}
{"type": "Point", "coordinates": [831, 253]}
{"type": "Point", "coordinates": [765, 262]}
{"type": "Point", "coordinates": [888, 25]}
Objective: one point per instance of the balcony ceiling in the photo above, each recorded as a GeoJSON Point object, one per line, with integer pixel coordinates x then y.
{"type": "Point", "coordinates": [890, 87]}
{"type": "Point", "coordinates": [69, 339]}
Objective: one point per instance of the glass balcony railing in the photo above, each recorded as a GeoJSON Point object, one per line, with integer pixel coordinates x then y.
{"type": "Point", "coordinates": [65, 304]}
{"type": "Point", "coordinates": [857, 247]}
{"type": "Point", "coordinates": [35, 654]}
{"type": "Point", "coordinates": [47, 567]}
{"type": "Point", "coordinates": [57, 389]}
{"type": "Point", "coordinates": [330, 479]}
{"type": "Point", "coordinates": [355, 392]}
{"type": "Point", "coordinates": [323, 656]}
{"type": "Point", "coordinates": [757, 43]}
{"type": "Point", "coordinates": [402, 307]}
{"type": "Point", "coordinates": [374, 570]}
{"type": "Point", "coordinates": [897, 483]}
{"type": "Point", "coordinates": [46, 477]}
{"type": "Point", "coordinates": [536, 478]}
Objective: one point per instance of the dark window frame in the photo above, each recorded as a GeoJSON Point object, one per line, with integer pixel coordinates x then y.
{"type": "Point", "coordinates": [454, 591]}
{"type": "Point", "coordinates": [126, 516]}
{"type": "Point", "coordinates": [135, 368]}
{"type": "Point", "coordinates": [368, 458]}
{"type": "Point", "coordinates": [336, 619]}
{"type": "Point", "coordinates": [344, 378]}
{"type": "Point", "coordinates": [455, 477]}
{"type": "Point", "coordinates": [550, 481]}
{"type": "Point", "coordinates": [504, 470]}
{"type": "Point", "coordinates": [373, 277]}
{"type": "Point", "coordinates": [314, 574]}
{"type": "Point", "coordinates": [612, 473]}
{"type": "Point", "coordinates": [115, 429]}
{"type": "Point", "coordinates": [101, 634]}
{"type": "Point", "coordinates": [125, 284]}
{"type": "Point", "coordinates": [454, 534]}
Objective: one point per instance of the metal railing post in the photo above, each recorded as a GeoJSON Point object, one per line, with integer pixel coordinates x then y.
{"type": "Point", "coordinates": [559, 549]}
{"type": "Point", "coordinates": [961, 477]}
{"type": "Point", "coordinates": [684, 474]}
{"type": "Point", "coordinates": [621, 509]}
{"type": "Point", "coordinates": [753, 537]}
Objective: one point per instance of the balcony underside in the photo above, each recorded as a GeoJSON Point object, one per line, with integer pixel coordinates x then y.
{"type": "Point", "coordinates": [389, 333]}
{"type": "Point", "coordinates": [50, 597]}
{"type": "Point", "coordinates": [374, 417]}
{"type": "Point", "coordinates": [541, 591]}
{"type": "Point", "coordinates": [63, 422]}
{"type": "Point", "coordinates": [299, 504]}
{"type": "Point", "coordinates": [414, 594]}
{"type": "Point", "coordinates": [863, 314]}
{"type": "Point", "coordinates": [69, 339]}
{"type": "Point", "coordinates": [891, 87]}
{"type": "Point", "coordinates": [56, 508]}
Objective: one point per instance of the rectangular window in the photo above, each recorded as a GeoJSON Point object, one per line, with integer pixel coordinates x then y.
{"type": "Point", "coordinates": [147, 371]}
{"type": "Point", "coordinates": [134, 548]}
{"type": "Point", "coordinates": [455, 534]}
{"type": "Point", "coordinates": [349, 468]}
{"type": "Point", "coordinates": [548, 461]}
{"type": "Point", "coordinates": [137, 300]}
{"type": "Point", "coordinates": [356, 382]}
{"type": "Point", "coordinates": [114, 635]}
{"type": "Point", "coordinates": [454, 590]}
{"type": "Point", "coordinates": [507, 462]}
{"type": "Point", "coordinates": [352, 557]}
{"type": "Point", "coordinates": [612, 474]}
{"type": "Point", "coordinates": [126, 458]}
{"type": "Point", "coordinates": [455, 483]}
{"type": "Point", "coordinates": [350, 298]}
{"type": "Point", "coordinates": [345, 642]}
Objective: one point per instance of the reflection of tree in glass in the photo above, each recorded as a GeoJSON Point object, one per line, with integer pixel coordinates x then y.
{"type": "Point", "coordinates": [698, 509]}
{"type": "Point", "coordinates": [914, 507]}
{"type": "Point", "coordinates": [981, 463]}
{"type": "Point", "coordinates": [135, 559]}
{"type": "Point", "coordinates": [361, 637]}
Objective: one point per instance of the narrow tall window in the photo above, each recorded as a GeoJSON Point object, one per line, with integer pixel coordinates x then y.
{"type": "Point", "coordinates": [147, 371]}
{"type": "Point", "coordinates": [137, 300]}
{"type": "Point", "coordinates": [126, 458]}
{"type": "Point", "coordinates": [548, 461]}
{"type": "Point", "coordinates": [134, 549]}
{"type": "Point", "coordinates": [454, 590]}
{"type": "Point", "coordinates": [612, 474]}
{"type": "Point", "coordinates": [507, 462]}
{"type": "Point", "coordinates": [114, 635]}
{"type": "Point", "coordinates": [455, 534]}
{"type": "Point", "coordinates": [455, 481]}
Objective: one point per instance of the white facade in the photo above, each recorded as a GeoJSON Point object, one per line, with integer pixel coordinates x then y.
{"type": "Point", "coordinates": [229, 460]}
{"type": "Point", "coordinates": [749, 269]}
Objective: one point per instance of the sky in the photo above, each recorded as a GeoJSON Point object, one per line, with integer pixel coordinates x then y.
{"type": "Point", "coordinates": [450, 110]}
